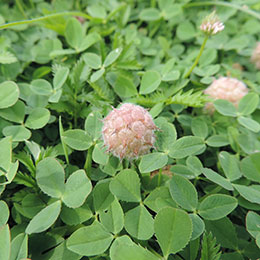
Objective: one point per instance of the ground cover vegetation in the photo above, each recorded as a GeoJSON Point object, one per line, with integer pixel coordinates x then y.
{"type": "Point", "coordinates": [129, 130]}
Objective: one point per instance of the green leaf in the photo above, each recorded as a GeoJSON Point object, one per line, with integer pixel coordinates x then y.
{"type": "Point", "coordinates": [249, 123]}
{"type": "Point", "coordinates": [139, 223]}
{"type": "Point", "coordinates": [76, 216]}
{"type": "Point", "coordinates": [159, 198]}
{"type": "Point", "coordinates": [4, 242]}
{"type": "Point", "coordinates": [90, 240]}
{"type": "Point", "coordinates": [15, 113]}
{"type": "Point", "coordinates": [253, 223]}
{"type": "Point", "coordinates": [74, 33]}
{"type": "Point", "coordinates": [198, 226]}
{"type": "Point", "coordinates": [199, 127]}
{"type": "Point", "coordinates": [113, 218]}
{"type": "Point", "coordinates": [4, 213]}
{"type": "Point", "coordinates": [217, 206]}
{"type": "Point", "coordinates": [248, 104]}
{"type": "Point", "coordinates": [217, 178]}
{"type": "Point", "coordinates": [77, 188]}
{"type": "Point", "coordinates": [152, 161]}
{"type": "Point", "coordinates": [185, 31]}
{"type": "Point", "coordinates": [9, 93]}
{"type": "Point", "coordinates": [77, 139]}
{"type": "Point", "coordinates": [100, 155]}
{"type": "Point", "coordinates": [7, 57]}
{"type": "Point", "coordinates": [102, 197]}
{"type": "Point", "coordinates": [225, 108]}
{"type": "Point", "coordinates": [124, 87]}
{"type": "Point", "coordinates": [217, 141]}
{"type": "Point", "coordinates": [41, 87]}
{"type": "Point", "coordinates": [50, 177]}
{"type": "Point", "coordinates": [112, 57]}
{"type": "Point", "coordinates": [209, 250]}
{"type": "Point", "coordinates": [208, 57]}
{"type": "Point", "coordinates": [60, 77]}
{"type": "Point", "coordinates": [230, 165]}
{"type": "Point", "coordinates": [123, 248]}
{"type": "Point", "coordinates": [170, 224]}
{"type": "Point", "coordinates": [93, 125]}
{"type": "Point", "coordinates": [17, 132]}
{"type": "Point", "coordinates": [44, 219]}
{"type": "Point", "coordinates": [38, 118]}
{"type": "Point", "coordinates": [89, 40]}
{"type": "Point", "coordinates": [19, 247]}
{"type": "Point", "coordinates": [250, 167]}
{"type": "Point", "coordinates": [183, 192]}
{"type": "Point", "coordinates": [97, 75]}
{"type": "Point", "coordinates": [150, 82]}
{"type": "Point", "coordinates": [5, 155]}
{"type": "Point", "coordinates": [194, 164]}
{"type": "Point", "coordinates": [248, 192]}
{"type": "Point", "coordinates": [92, 60]}
{"type": "Point", "coordinates": [126, 186]}
{"type": "Point", "coordinates": [185, 146]}
{"type": "Point", "coordinates": [224, 231]}
{"type": "Point", "coordinates": [150, 14]}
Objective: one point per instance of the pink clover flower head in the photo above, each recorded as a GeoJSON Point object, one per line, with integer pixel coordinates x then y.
{"type": "Point", "coordinates": [230, 89]}
{"type": "Point", "coordinates": [255, 58]}
{"type": "Point", "coordinates": [128, 131]}
{"type": "Point", "coordinates": [211, 24]}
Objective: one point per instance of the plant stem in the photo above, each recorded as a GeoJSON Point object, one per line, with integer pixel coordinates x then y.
{"type": "Point", "coordinates": [198, 57]}
{"type": "Point", "coordinates": [231, 5]}
{"type": "Point", "coordinates": [42, 18]}
{"type": "Point", "coordinates": [88, 162]}
{"type": "Point", "coordinates": [159, 178]}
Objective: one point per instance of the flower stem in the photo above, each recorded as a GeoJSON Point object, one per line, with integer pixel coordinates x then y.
{"type": "Point", "coordinates": [88, 161]}
{"type": "Point", "coordinates": [198, 57]}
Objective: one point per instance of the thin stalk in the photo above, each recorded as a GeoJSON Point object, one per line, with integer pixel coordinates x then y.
{"type": "Point", "coordinates": [88, 161]}
{"type": "Point", "coordinates": [20, 7]}
{"type": "Point", "coordinates": [42, 18]}
{"type": "Point", "coordinates": [198, 57]}
{"type": "Point", "coordinates": [231, 5]}
{"type": "Point", "coordinates": [159, 178]}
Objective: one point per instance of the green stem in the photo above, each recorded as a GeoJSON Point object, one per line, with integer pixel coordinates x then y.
{"type": "Point", "coordinates": [159, 178]}
{"type": "Point", "coordinates": [42, 18]}
{"type": "Point", "coordinates": [198, 57]}
{"type": "Point", "coordinates": [231, 5]}
{"type": "Point", "coordinates": [88, 162]}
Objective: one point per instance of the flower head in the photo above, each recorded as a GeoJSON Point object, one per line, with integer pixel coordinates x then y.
{"type": "Point", "coordinates": [230, 89]}
{"type": "Point", "coordinates": [255, 58]}
{"type": "Point", "coordinates": [128, 132]}
{"type": "Point", "coordinates": [211, 24]}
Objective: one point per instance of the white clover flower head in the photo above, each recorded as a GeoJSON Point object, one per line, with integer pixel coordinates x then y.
{"type": "Point", "coordinates": [211, 24]}
{"type": "Point", "coordinates": [255, 58]}
{"type": "Point", "coordinates": [230, 89]}
{"type": "Point", "coordinates": [128, 132]}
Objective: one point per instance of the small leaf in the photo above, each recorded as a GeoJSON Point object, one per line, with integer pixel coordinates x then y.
{"type": "Point", "coordinates": [124, 87]}
{"type": "Point", "coordinates": [50, 177]}
{"type": "Point", "coordinates": [199, 127]}
{"type": "Point", "coordinates": [92, 60]}
{"type": "Point", "coordinates": [152, 161]}
{"type": "Point", "coordinates": [19, 247]}
{"type": "Point", "coordinates": [9, 93]}
{"type": "Point", "coordinates": [249, 123]}
{"type": "Point", "coordinates": [77, 139]}
{"type": "Point", "coordinates": [4, 213]}
{"type": "Point", "coordinates": [74, 33]}
{"type": "Point", "coordinates": [150, 82]}
{"type": "Point", "coordinates": [250, 167]}
{"type": "Point", "coordinates": [185, 146]}
{"type": "Point", "coordinates": [150, 14]}
{"type": "Point", "coordinates": [44, 219]}
{"type": "Point", "coordinates": [253, 223]}
{"type": "Point", "coordinates": [248, 192]}
{"type": "Point", "coordinates": [139, 223]}
{"type": "Point", "coordinates": [5, 244]}
{"type": "Point", "coordinates": [248, 104]}
{"type": "Point", "coordinates": [90, 240]}
{"type": "Point", "coordinates": [38, 118]}
{"type": "Point", "coordinates": [170, 224]}
{"type": "Point", "coordinates": [18, 132]}
{"type": "Point", "coordinates": [77, 188]}
{"type": "Point", "coordinates": [225, 108]}
{"type": "Point", "coordinates": [97, 75]}
{"type": "Point", "coordinates": [198, 226]}
{"type": "Point", "coordinates": [99, 154]}
{"type": "Point", "coordinates": [209, 250]}
{"type": "Point", "coordinates": [217, 141]}
{"type": "Point", "coordinates": [112, 57]}
{"type": "Point", "coordinates": [183, 192]}
{"type": "Point", "coordinates": [60, 77]}
{"type": "Point", "coordinates": [93, 125]}
{"type": "Point", "coordinates": [14, 113]}
{"type": "Point", "coordinates": [217, 206]}
{"type": "Point", "coordinates": [5, 155]}
{"type": "Point", "coordinates": [41, 87]}
{"type": "Point", "coordinates": [126, 186]}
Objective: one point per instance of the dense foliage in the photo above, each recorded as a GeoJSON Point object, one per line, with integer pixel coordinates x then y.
{"type": "Point", "coordinates": [195, 196]}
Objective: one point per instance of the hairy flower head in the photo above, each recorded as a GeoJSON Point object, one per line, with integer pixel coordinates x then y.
{"type": "Point", "coordinates": [230, 89]}
{"type": "Point", "coordinates": [128, 132]}
{"type": "Point", "coordinates": [211, 24]}
{"type": "Point", "coordinates": [255, 58]}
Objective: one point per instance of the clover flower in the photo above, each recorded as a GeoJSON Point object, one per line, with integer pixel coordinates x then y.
{"type": "Point", "coordinates": [211, 24]}
{"type": "Point", "coordinates": [230, 89]}
{"type": "Point", "coordinates": [255, 58]}
{"type": "Point", "coordinates": [128, 132]}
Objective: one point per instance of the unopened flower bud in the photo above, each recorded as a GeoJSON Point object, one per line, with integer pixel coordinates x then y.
{"type": "Point", "coordinates": [211, 24]}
